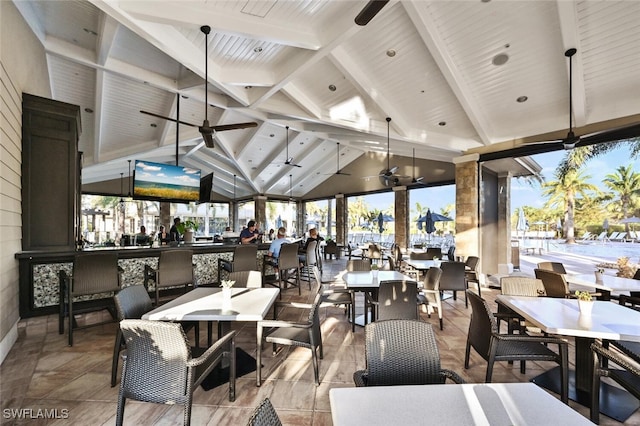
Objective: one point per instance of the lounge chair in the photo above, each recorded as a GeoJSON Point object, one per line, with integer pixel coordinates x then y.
{"type": "Point", "coordinates": [586, 236]}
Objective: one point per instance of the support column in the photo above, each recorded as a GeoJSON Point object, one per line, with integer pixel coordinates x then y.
{"type": "Point", "coordinates": [260, 208]}
{"type": "Point", "coordinates": [401, 215]}
{"type": "Point", "coordinates": [341, 219]}
{"type": "Point", "coordinates": [165, 215]}
{"type": "Point", "coordinates": [504, 220]}
{"type": "Point", "coordinates": [467, 205]}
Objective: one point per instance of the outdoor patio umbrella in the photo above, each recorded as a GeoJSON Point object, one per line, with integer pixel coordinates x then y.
{"type": "Point", "coordinates": [429, 223]}
{"type": "Point", "coordinates": [380, 222]}
{"type": "Point", "coordinates": [279, 222]}
{"type": "Point", "coordinates": [420, 222]}
{"type": "Point", "coordinates": [632, 220]}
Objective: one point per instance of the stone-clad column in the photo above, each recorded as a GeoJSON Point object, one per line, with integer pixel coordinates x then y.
{"type": "Point", "coordinates": [467, 205]}
{"type": "Point", "coordinates": [504, 220]}
{"type": "Point", "coordinates": [401, 215]}
{"type": "Point", "coordinates": [341, 219]}
{"type": "Point", "coordinates": [260, 207]}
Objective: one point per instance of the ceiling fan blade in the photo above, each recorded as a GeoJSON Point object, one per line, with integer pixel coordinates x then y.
{"type": "Point", "coordinates": [223, 127]}
{"type": "Point", "coordinates": [167, 118]}
{"type": "Point", "coordinates": [340, 172]}
{"type": "Point", "coordinates": [370, 11]}
{"type": "Point", "coordinates": [418, 179]}
{"type": "Point", "coordinates": [612, 135]}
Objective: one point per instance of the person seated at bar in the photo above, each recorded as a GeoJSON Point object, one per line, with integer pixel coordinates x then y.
{"type": "Point", "coordinates": [141, 237]}
{"type": "Point", "coordinates": [163, 236]}
{"type": "Point", "coordinates": [250, 234]}
{"type": "Point", "coordinates": [272, 234]}
{"type": "Point", "coordinates": [276, 245]}
{"type": "Point", "coordinates": [313, 236]}
{"type": "Point", "coordinates": [174, 234]}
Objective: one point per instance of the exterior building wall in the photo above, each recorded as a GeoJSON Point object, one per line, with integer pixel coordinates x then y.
{"type": "Point", "coordinates": [22, 69]}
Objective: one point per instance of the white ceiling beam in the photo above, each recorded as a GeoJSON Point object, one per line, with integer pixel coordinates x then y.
{"type": "Point", "coordinates": [97, 113]}
{"type": "Point", "coordinates": [186, 14]}
{"type": "Point", "coordinates": [108, 28]}
{"type": "Point", "coordinates": [297, 95]}
{"type": "Point", "coordinates": [568, 14]}
{"type": "Point", "coordinates": [426, 27]}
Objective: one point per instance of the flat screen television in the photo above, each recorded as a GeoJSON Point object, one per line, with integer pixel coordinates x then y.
{"type": "Point", "coordinates": [158, 181]}
{"type": "Point", "coordinates": [206, 186]}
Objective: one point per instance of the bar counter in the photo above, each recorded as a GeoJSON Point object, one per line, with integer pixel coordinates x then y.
{"type": "Point", "coordinates": [39, 283]}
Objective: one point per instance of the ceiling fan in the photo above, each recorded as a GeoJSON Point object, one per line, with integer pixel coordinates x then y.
{"type": "Point", "coordinates": [388, 176]}
{"type": "Point", "coordinates": [415, 179]}
{"type": "Point", "coordinates": [206, 130]}
{"type": "Point", "coordinates": [338, 170]}
{"type": "Point", "coordinates": [370, 11]}
{"type": "Point", "coordinates": [289, 161]}
{"type": "Point", "coordinates": [572, 141]}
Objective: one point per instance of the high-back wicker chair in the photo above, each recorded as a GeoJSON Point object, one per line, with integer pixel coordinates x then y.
{"type": "Point", "coordinates": [245, 258]}
{"type": "Point", "coordinates": [396, 300]}
{"type": "Point", "coordinates": [626, 373]}
{"type": "Point", "coordinates": [159, 367]}
{"type": "Point", "coordinates": [289, 268]}
{"type": "Point", "coordinates": [492, 346]}
{"type": "Point", "coordinates": [471, 272]}
{"type": "Point", "coordinates": [175, 269]}
{"type": "Point", "coordinates": [305, 334]}
{"type": "Point", "coordinates": [309, 261]}
{"type": "Point", "coordinates": [264, 415]}
{"type": "Point", "coordinates": [432, 252]}
{"type": "Point", "coordinates": [337, 296]}
{"type": "Point", "coordinates": [453, 279]}
{"type": "Point", "coordinates": [430, 293]}
{"type": "Point", "coordinates": [517, 286]}
{"type": "Point", "coordinates": [249, 279]}
{"type": "Point", "coordinates": [358, 265]}
{"type": "Point", "coordinates": [552, 266]}
{"type": "Point", "coordinates": [402, 352]}
{"type": "Point", "coordinates": [131, 303]}
{"type": "Point", "coordinates": [93, 273]}
{"type": "Point", "coordinates": [555, 285]}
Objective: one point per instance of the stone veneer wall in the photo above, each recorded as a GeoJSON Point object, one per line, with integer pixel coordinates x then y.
{"type": "Point", "coordinates": [467, 204]}
{"type": "Point", "coordinates": [341, 219]}
{"type": "Point", "coordinates": [401, 209]}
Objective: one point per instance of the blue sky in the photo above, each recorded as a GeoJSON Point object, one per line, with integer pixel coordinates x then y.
{"type": "Point", "coordinates": [522, 194]}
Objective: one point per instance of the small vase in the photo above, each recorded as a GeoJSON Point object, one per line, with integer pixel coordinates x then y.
{"type": "Point", "coordinates": [226, 297]}
{"type": "Point", "coordinates": [374, 274]}
{"type": "Point", "coordinates": [599, 277]}
{"type": "Point", "coordinates": [586, 306]}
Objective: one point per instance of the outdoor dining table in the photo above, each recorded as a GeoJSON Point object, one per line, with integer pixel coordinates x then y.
{"type": "Point", "coordinates": [609, 284]}
{"type": "Point", "coordinates": [608, 321]}
{"type": "Point", "coordinates": [366, 281]}
{"type": "Point", "coordinates": [208, 304]}
{"type": "Point", "coordinates": [450, 404]}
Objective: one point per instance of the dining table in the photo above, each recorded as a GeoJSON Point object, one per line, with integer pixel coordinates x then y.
{"type": "Point", "coordinates": [208, 304]}
{"type": "Point", "coordinates": [607, 321]}
{"type": "Point", "coordinates": [366, 281]}
{"type": "Point", "coordinates": [606, 284]}
{"type": "Point", "coordinates": [450, 404]}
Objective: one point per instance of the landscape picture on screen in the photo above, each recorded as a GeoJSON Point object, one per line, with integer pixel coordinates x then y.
{"type": "Point", "coordinates": [164, 181]}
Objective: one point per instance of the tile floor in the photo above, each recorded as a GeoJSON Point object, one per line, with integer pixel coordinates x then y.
{"type": "Point", "coordinates": [42, 372]}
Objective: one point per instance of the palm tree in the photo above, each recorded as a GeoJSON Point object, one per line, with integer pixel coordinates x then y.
{"type": "Point", "coordinates": [576, 158]}
{"type": "Point", "coordinates": [625, 183]}
{"type": "Point", "coordinates": [563, 192]}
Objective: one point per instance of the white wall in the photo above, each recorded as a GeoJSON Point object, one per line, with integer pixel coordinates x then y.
{"type": "Point", "coordinates": [23, 68]}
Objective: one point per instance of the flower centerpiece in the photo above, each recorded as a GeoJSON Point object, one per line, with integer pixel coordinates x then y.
{"type": "Point", "coordinates": [585, 302]}
{"type": "Point", "coordinates": [436, 261]}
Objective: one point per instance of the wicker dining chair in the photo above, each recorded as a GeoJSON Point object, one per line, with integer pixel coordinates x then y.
{"type": "Point", "coordinates": [175, 269]}
{"type": "Point", "coordinates": [552, 266]}
{"type": "Point", "coordinates": [337, 296]}
{"type": "Point", "coordinates": [402, 352]}
{"type": "Point", "coordinates": [245, 258]}
{"type": "Point", "coordinates": [430, 293]}
{"type": "Point", "coordinates": [517, 286]}
{"type": "Point", "coordinates": [471, 272]}
{"type": "Point", "coordinates": [453, 279]}
{"type": "Point", "coordinates": [358, 265]}
{"type": "Point", "coordinates": [158, 366]}
{"type": "Point", "coordinates": [93, 274]}
{"type": "Point", "coordinates": [131, 303]}
{"type": "Point", "coordinates": [264, 415]}
{"type": "Point", "coordinates": [248, 279]}
{"type": "Point", "coordinates": [395, 299]}
{"type": "Point", "coordinates": [555, 284]}
{"type": "Point", "coordinates": [626, 374]}
{"type": "Point", "coordinates": [492, 346]}
{"type": "Point", "coordinates": [304, 334]}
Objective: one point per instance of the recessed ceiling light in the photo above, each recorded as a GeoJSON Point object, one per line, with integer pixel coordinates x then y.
{"type": "Point", "coordinates": [522, 99]}
{"type": "Point", "coordinates": [88, 31]}
{"type": "Point", "coordinates": [332, 87]}
{"type": "Point", "coordinates": [153, 125]}
{"type": "Point", "coordinates": [442, 123]}
{"type": "Point", "coordinates": [89, 110]}
{"type": "Point", "coordinates": [248, 87]}
{"type": "Point", "coordinates": [271, 135]}
{"type": "Point", "coordinates": [500, 59]}
{"type": "Point", "coordinates": [391, 53]}
{"type": "Point", "coordinates": [185, 97]}
{"type": "Point", "coordinates": [257, 49]}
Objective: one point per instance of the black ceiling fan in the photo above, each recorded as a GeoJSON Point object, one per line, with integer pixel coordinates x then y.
{"type": "Point", "coordinates": [370, 11]}
{"type": "Point", "coordinates": [415, 179]}
{"type": "Point", "coordinates": [338, 170]}
{"type": "Point", "coordinates": [572, 141]}
{"type": "Point", "coordinates": [289, 161]}
{"type": "Point", "coordinates": [388, 176]}
{"type": "Point", "coordinates": [206, 130]}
